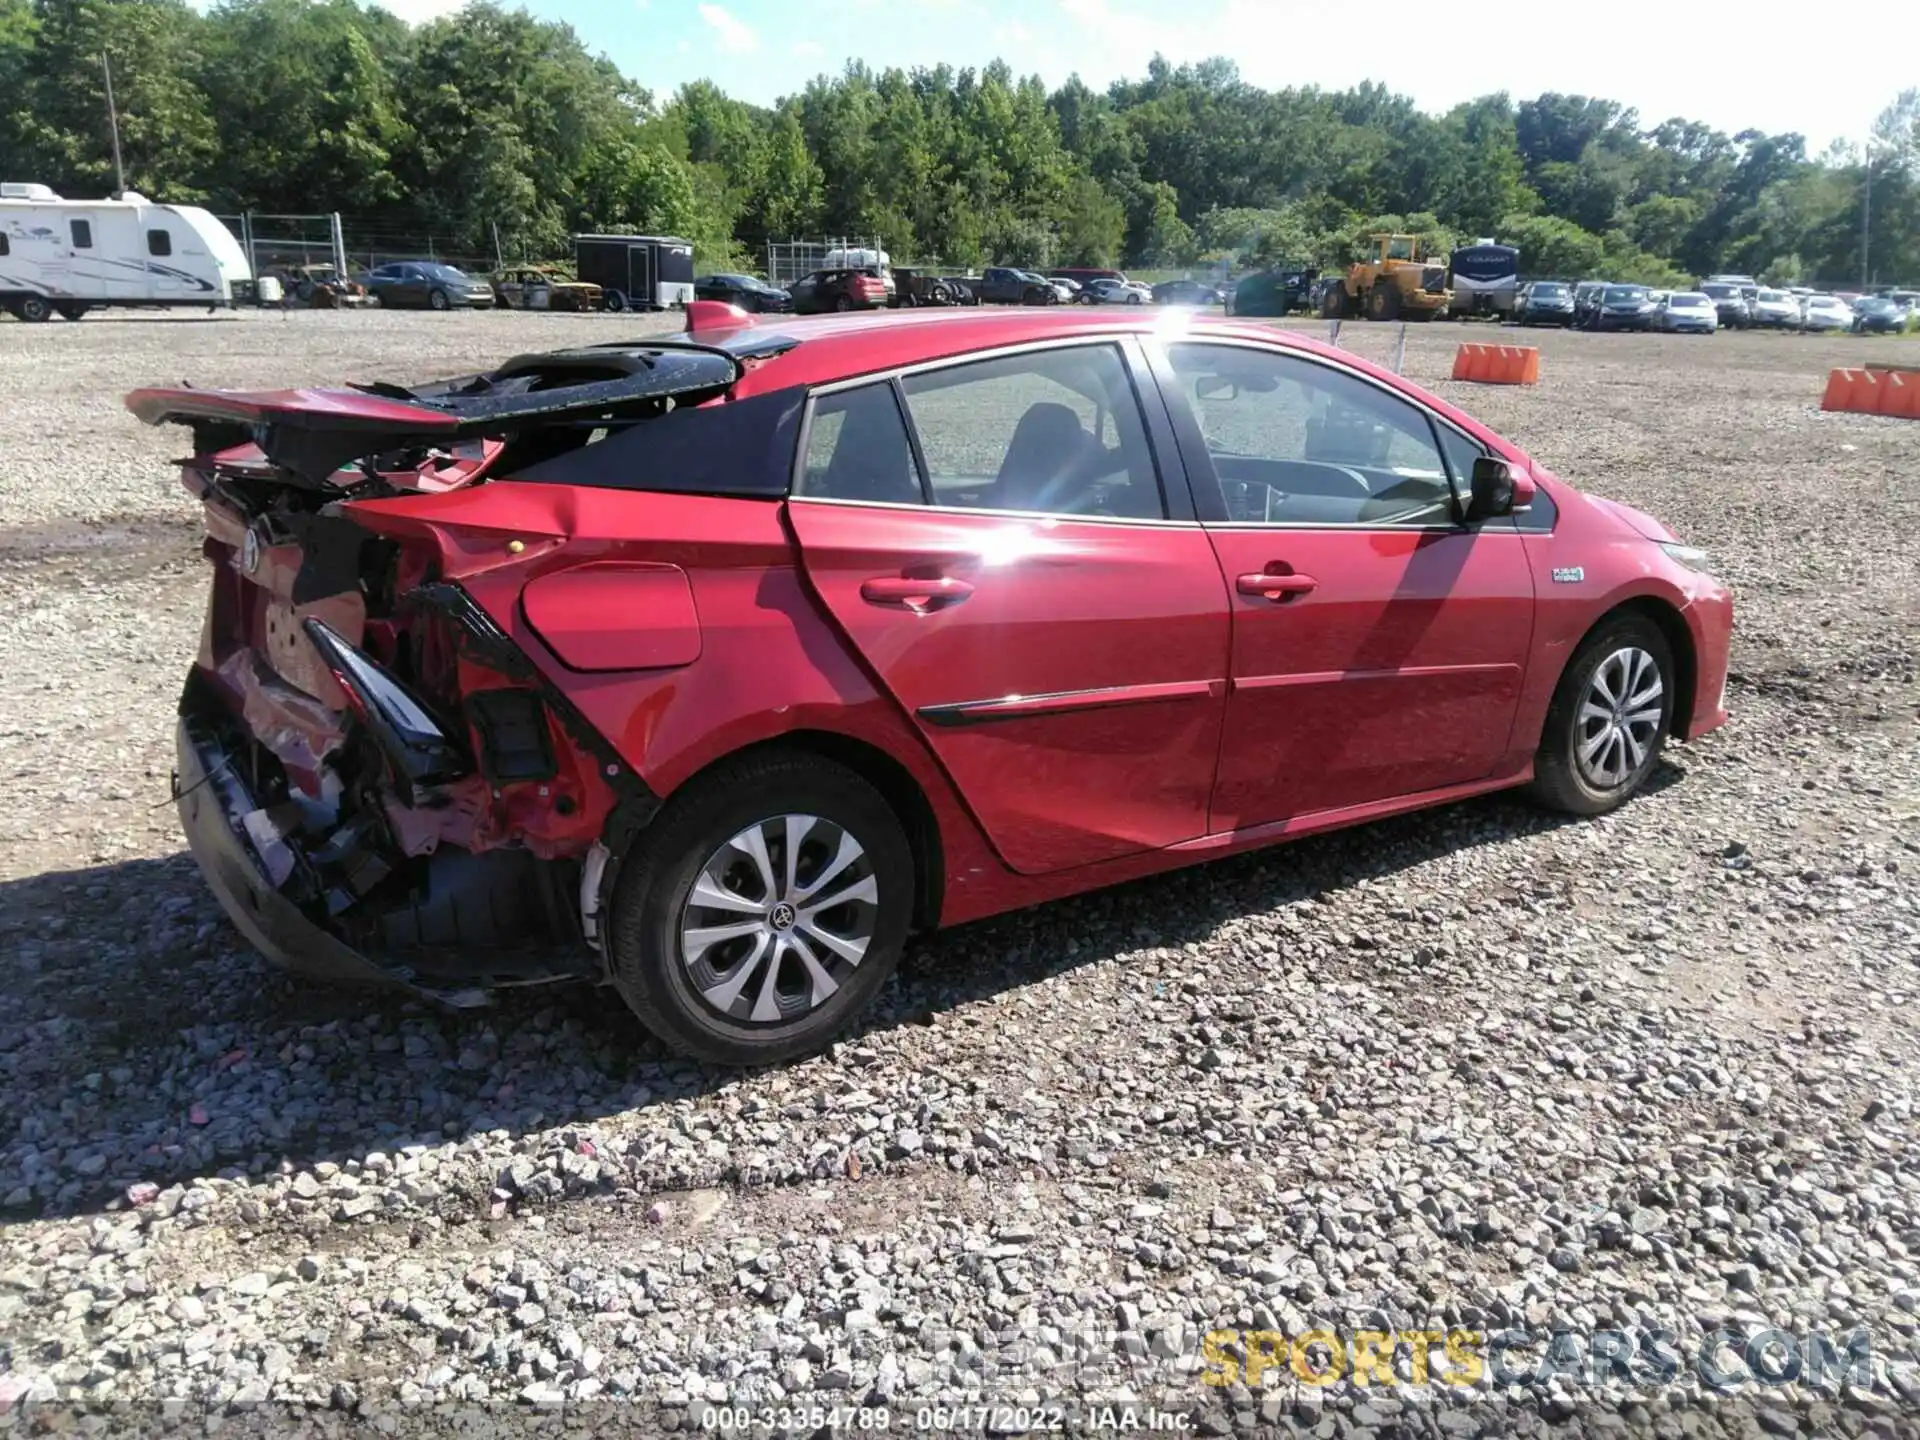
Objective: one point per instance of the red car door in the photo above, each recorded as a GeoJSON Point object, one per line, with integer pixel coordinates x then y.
{"type": "Point", "coordinates": [1378, 646]}
{"type": "Point", "coordinates": [1010, 571]}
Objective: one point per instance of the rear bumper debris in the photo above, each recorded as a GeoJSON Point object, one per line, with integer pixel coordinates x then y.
{"type": "Point", "coordinates": [238, 855]}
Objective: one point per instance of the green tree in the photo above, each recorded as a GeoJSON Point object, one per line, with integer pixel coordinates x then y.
{"type": "Point", "coordinates": [167, 136]}
{"type": "Point", "coordinates": [1166, 239]}
{"type": "Point", "coordinates": [1093, 226]}
{"type": "Point", "coordinates": [303, 101]}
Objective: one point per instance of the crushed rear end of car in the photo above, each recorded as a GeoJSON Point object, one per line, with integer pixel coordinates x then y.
{"type": "Point", "coordinates": [377, 781]}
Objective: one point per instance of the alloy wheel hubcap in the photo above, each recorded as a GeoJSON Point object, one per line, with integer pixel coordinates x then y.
{"type": "Point", "coordinates": [778, 919]}
{"type": "Point", "coordinates": [1619, 718]}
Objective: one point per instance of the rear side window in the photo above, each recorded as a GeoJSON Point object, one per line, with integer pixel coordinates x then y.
{"type": "Point", "coordinates": [1054, 432]}
{"type": "Point", "coordinates": [857, 449]}
{"type": "Point", "coordinates": [82, 232]}
{"type": "Point", "coordinates": [159, 242]}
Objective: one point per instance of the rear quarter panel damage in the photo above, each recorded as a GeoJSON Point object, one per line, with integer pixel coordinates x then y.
{"type": "Point", "coordinates": [760, 635]}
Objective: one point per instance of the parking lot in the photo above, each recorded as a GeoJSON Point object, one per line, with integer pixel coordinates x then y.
{"type": "Point", "coordinates": [1478, 1067]}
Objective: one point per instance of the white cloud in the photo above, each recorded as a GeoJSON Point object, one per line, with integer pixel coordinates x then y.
{"type": "Point", "coordinates": [1011, 33]}
{"type": "Point", "coordinates": [730, 33]}
{"type": "Point", "coordinates": [808, 47]}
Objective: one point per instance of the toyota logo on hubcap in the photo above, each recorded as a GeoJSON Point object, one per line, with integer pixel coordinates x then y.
{"type": "Point", "coordinates": [781, 917]}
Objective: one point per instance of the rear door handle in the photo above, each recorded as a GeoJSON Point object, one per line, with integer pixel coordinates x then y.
{"type": "Point", "coordinates": [1276, 587]}
{"type": "Point", "coordinates": [920, 595]}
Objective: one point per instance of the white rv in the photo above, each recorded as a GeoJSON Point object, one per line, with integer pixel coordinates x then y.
{"type": "Point", "coordinates": [67, 257]}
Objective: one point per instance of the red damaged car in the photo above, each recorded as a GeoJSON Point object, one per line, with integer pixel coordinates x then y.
{"type": "Point", "coordinates": [710, 666]}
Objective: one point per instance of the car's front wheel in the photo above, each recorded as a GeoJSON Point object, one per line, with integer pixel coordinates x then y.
{"type": "Point", "coordinates": [762, 909]}
{"type": "Point", "coordinates": [1609, 719]}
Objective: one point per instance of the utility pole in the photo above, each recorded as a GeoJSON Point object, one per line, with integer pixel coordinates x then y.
{"type": "Point", "coordinates": [1866, 226]}
{"type": "Point", "coordinates": [113, 121]}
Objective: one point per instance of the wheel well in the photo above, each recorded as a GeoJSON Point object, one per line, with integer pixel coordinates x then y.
{"type": "Point", "coordinates": [1679, 641]}
{"type": "Point", "coordinates": [896, 786]}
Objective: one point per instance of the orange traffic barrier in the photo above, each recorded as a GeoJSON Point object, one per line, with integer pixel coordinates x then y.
{"type": "Point", "coordinates": [1839, 394]}
{"type": "Point", "coordinates": [1497, 364]}
{"type": "Point", "coordinates": [1900, 394]}
{"type": "Point", "coordinates": [1874, 390]}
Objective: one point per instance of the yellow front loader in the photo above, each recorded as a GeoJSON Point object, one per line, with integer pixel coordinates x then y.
{"type": "Point", "coordinates": [1398, 284]}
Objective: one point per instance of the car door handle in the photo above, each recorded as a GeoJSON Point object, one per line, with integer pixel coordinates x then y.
{"type": "Point", "coordinates": [1276, 587]}
{"type": "Point", "coordinates": [919, 595]}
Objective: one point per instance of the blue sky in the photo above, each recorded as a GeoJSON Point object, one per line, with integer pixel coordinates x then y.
{"type": "Point", "coordinates": [1711, 60]}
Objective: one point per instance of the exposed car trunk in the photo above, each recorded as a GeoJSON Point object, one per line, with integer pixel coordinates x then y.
{"type": "Point", "coordinates": [362, 752]}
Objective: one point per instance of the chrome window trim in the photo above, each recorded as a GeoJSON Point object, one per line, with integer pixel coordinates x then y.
{"type": "Point", "coordinates": [1038, 516]}
{"type": "Point", "coordinates": [1120, 339]}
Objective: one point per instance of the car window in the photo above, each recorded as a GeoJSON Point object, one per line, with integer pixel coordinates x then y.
{"type": "Point", "coordinates": [857, 449]}
{"type": "Point", "coordinates": [1297, 442]}
{"type": "Point", "coordinates": [159, 242]}
{"type": "Point", "coordinates": [1056, 432]}
{"type": "Point", "coordinates": [82, 231]}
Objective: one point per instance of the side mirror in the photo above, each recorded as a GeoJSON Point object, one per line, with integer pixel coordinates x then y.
{"type": "Point", "coordinates": [1496, 490]}
{"type": "Point", "coordinates": [1216, 387]}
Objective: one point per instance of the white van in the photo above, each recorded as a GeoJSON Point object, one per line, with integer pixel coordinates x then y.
{"type": "Point", "coordinates": [69, 256]}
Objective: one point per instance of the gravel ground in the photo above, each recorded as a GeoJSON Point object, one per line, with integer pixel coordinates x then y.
{"type": "Point", "coordinates": [1473, 1069]}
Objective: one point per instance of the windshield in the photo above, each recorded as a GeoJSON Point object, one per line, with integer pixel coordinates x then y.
{"type": "Point", "coordinates": [1774, 297]}
{"type": "Point", "coordinates": [1621, 294]}
{"type": "Point", "coordinates": [1548, 290]}
{"type": "Point", "coordinates": [1721, 292]}
{"type": "Point", "coordinates": [444, 272]}
{"type": "Point", "coordinates": [1688, 302]}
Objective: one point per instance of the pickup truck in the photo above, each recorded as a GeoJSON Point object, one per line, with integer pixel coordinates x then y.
{"type": "Point", "coordinates": [1002, 285]}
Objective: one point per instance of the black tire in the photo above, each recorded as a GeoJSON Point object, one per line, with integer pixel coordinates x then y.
{"type": "Point", "coordinates": [1333, 304]}
{"type": "Point", "coordinates": [34, 309]}
{"type": "Point", "coordinates": [1558, 780]}
{"type": "Point", "coordinates": [667, 860]}
{"type": "Point", "coordinates": [615, 301]}
{"type": "Point", "coordinates": [1383, 301]}
{"type": "Point", "coordinates": [843, 304]}
{"type": "Point", "coordinates": [437, 300]}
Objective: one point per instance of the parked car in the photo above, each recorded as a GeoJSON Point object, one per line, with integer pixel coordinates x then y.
{"type": "Point", "coordinates": [1115, 292]}
{"type": "Point", "coordinates": [427, 285]}
{"type": "Point", "coordinates": [1878, 315]}
{"type": "Point", "coordinates": [1773, 310]}
{"type": "Point", "coordinates": [1186, 292]}
{"type": "Point", "coordinates": [825, 290]}
{"type": "Point", "coordinates": [1082, 275]}
{"type": "Point", "coordinates": [534, 287]}
{"type": "Point", "coordinates": [920, 626]}
{"type": "Point", "coordinates": [1686, 311]}
{"type": "Point", "coordinates": [1729, 303]}
{"type": "Point", "coordinates": [1825, 312]}
{"type": "Point", "coordinates": [1621, 307]}
{"type": "Point", "coordinates": [1586, 298]}
{"type": "Point", "coordinates": [1544, 302]}
{"type": "Point", "coordinates": [319, 286]}
{"type": "Point", "coordinates": [749, 292]}
{"type": "Point", "coordinates": [1004, 285]}
{"type": "Point", "coordinates": [1280, 290]}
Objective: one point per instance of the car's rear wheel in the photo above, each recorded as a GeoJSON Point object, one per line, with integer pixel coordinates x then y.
{"type": "Point", "coordinates": [844, 303]}
{"type": "Point", "coordinates": [1609, 719]}
{"type": "Point", "coordinates": [762, 909]}
{"type": "Point", "coordinates": [615, 301]}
